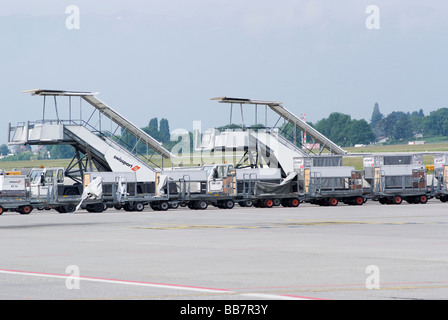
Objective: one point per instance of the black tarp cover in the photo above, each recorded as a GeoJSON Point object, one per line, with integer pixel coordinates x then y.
{"type": "Point", "coordinates": [284, 187]}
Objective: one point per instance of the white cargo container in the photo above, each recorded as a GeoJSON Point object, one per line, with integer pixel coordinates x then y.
{"type": "Point", "coordinates": [13, 186]}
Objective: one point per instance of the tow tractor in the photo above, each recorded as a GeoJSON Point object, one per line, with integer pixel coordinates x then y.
{"type": "Point", "coordinates": [43, 188]}
{"type": "Point", "coordinates": [42, 179]}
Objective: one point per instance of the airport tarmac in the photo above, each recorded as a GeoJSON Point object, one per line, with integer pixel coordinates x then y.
{"type": "Point", "coordinates": [335, 253]}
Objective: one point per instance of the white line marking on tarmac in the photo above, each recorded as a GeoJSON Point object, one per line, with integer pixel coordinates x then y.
{"type": "Point", "coordinates": [274, 296]}
{"type": "Point", "coordinates": [155, 285]}
{"type": "Point", "coordinates": [114, 281]}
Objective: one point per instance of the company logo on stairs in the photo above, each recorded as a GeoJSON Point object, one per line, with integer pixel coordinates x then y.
{"type": "Point", "coordinates": [127, 164]}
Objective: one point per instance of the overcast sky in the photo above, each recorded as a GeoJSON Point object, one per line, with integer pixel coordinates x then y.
{"type": "Point", "coordinates": [166, 59]}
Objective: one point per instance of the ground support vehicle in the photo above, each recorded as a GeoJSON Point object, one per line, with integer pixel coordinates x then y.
{"type": "Point", "coordinates": [120, 190]}
{"type": "Point", "coordinates": [196, 188]}
{"type": "Point", "coordinates": [51, 195]}
{"type": "Point", "coordinates": [223, 186]}
{"type": "Point", "coordinates": [328, 186]}
{"type": "Point", "coordinates": [394, 178]}
{"type": "Point", "coordinates": [21, 205]}
{"type": "Point", "coordinates": [42, 179]}
{"type": "Point", "coordinates": [264, 188]}
{"type": "Point", "coordinates": [325, 181]}
{"type": "Point", "coordinates": [440, 182]}
{"type": "Point", "coordinates": [50, 189]}
{"type": "Point", "coordinates": [14, 194]}
{"type": "Point", "coordinates": [18, 194]}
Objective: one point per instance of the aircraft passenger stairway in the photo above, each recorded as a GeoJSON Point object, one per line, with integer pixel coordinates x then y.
{"type": "Point", "coordinates": [295, 121]}
{"type": "Point", "coordinates": [267, 143]}
{"type": "Point", "coordinates": [105, 150]}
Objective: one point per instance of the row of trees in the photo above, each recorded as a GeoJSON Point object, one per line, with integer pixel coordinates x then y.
{"type": "Point", "coordinates": [395, 127]}
{"type": "Point", "coordinates": [398, 126]}
{"type": "Point", "coordinates": [345, 131]}
{"type": "Point", "coordinates": [160, 132]}
{"type": "Point", "coordinates": [338, 127]}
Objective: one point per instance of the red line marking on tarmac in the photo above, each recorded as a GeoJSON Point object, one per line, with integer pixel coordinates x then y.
{"type": "Point", "coordinates": [116, 281]}
{"type": "Point", "coordinates": [300, 297]}
{"type": "Point", "coordinates": [337, 285]}
{"type": "Point", "coordinates": [155, 285]}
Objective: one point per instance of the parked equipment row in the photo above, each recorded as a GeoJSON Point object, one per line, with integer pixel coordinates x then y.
{"type": "Point", "coordinates": [320, 180]}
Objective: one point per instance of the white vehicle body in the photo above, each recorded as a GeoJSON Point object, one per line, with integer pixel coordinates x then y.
{"type": "Point", "coordinates": [43, 180]}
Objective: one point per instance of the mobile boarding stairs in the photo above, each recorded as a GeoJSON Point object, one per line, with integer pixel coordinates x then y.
{"type": "Point", "coordinates": [96, 148]}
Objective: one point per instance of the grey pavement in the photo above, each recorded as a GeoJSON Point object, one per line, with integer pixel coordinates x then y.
{"type": "Point", "coordinates": [346, 252]}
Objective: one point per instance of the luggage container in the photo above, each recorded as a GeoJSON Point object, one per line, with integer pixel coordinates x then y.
{"type": "Point", "coordinates": [331, 185]}
{"type": "Point", "coordinates": [325, 181]}
{"type": "Point", "coordinates": [300, 163]}
{"type": "Point", "coordinates": [15, 194]}
{"type": "Point", "coordinates": [397, 177]}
